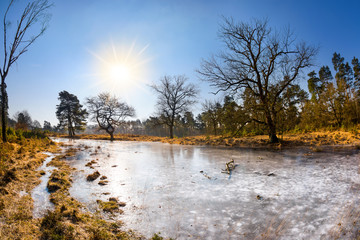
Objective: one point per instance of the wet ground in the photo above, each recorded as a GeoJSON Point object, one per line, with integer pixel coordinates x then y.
{"type": "Point", "coordinates": [40, 193]}
{"type": "Point", "coordinates": [181, 192]}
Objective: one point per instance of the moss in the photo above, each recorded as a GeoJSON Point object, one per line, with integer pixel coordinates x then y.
{"type": "Point", "coordinates": [109, 206]}
{"type": "Point", "coordinates": [89, 164]}
{"type": "Point", "coordinates": [58, 180]}
{"type": "Point", "coordinates": [103, 182]}
{"type": "Point", "coordinates": [93, 176]}
{"type": "Point", "coordinates": [71, 220]}
{"type": "Point", "coordinates": [53, 187]}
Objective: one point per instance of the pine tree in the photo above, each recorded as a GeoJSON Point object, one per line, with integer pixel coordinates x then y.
{"type": "Point", "coordinates": [70, 113]}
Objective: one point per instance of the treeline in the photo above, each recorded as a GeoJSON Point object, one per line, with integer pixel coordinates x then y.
{"type": "Point", "coordinates": [258, 70]}
{"type": "Point", "coordinates": [335, 99]}
{"type": "Point", "coordinates": [333, 103]}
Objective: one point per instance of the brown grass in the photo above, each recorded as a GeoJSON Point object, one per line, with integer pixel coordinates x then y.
{"type": "Point", "coordinates": [18, 176]}
{"type": "Point", "coordinates": [70, 219]}
{"type": "Point", "coordinates": [287, 140]}
{"type": "Point", "coordinates": [348, 225]}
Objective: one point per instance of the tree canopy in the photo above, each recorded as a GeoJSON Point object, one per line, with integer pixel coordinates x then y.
{"type": "Point", "coordinates": [174, 98]}
{"type": "Point", "coordinates": [260, 61]}
{"type": "Point", "coordinates": [30, 26]}
{"type": "Point", "coordinates": [109, 112]}
{"type": "Point", "coordinates": [70, 113]}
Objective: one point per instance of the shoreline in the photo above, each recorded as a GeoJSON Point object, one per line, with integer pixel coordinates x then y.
{"type": "Point", "coordinates": [314, 141]}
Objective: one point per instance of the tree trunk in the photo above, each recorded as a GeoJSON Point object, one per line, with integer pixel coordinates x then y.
{"type": "Point", "coordinates": [272, 130]}
{"type": "Point", "coordinates": [171, 131]}
{"type": "Point", "coordinates": [70, 130]}
{"type": "Point", "coordinates": [111, 136]}
{"type": "Point", "coordinates": [3, 110]}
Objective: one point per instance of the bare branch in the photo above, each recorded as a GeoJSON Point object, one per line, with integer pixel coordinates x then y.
{"type": "Point", "coordinates": [174, 98]}
{"type": "Point", "coordinates": [264, 61]}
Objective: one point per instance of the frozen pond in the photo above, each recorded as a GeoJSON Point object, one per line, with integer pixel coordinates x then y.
{"type": "Point", "coordinates": [181, 192]}
{"type": "Point", "coordinates": [40, 193]}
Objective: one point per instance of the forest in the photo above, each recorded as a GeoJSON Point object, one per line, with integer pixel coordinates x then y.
{"type": "Point", "coordinates": [331, 102]}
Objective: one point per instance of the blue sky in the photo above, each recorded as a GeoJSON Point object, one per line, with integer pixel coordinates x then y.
{"type": "Point", "coordinates": [161, 37]}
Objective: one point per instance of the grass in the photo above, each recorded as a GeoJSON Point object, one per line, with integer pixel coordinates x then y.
{"type": "Point", "coordinates": [70, 220]}
{"type": "Point", "coordinates": [288, 140]}
{"type": "Point", "coordinates": [19, 160]}
{"type": "Point", "coordinates": [93, 176]}
{"type": "Point", "coordinates": [110, 206]}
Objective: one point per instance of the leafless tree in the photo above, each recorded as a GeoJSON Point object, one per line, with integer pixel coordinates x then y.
{"type": "Point", "coordinates": [212, 111]}
{"type": "Point", "coordinates": [109, 112]}
{"type": "Point", "coordinates": [174, 98]}
{"type": "Point", "coordinates": [260, 59]}
{"type": "Point", "coordinates": [16, 42]}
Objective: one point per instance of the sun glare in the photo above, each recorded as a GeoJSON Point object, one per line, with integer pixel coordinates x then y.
{"type": "Point", "coordinates": [121, 67]}
{"type": "Point", "coordinates": [119, 72]}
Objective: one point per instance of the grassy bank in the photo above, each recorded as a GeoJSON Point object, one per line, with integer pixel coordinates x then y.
{"type": "Point", "coordinates": [19, 161]}
{"type": "Point", "coordinates": [70, 220]}
{"type": "Point", "coordinates": [287, 140]}
{"type": "Point", "coordinates": [18, 176]}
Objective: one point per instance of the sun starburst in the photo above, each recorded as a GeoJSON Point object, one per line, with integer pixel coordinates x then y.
{"type": "Point", "coordinates": [121, 67]}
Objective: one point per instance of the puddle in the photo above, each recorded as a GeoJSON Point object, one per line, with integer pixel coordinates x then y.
{"type": "Point", "coordinates": [40, 193]}
{"type": "Point", "coordinates": [181, 192]}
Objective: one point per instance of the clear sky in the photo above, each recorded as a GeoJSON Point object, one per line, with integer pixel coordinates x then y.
{"type": "Point", "coordinates": [151, 39]}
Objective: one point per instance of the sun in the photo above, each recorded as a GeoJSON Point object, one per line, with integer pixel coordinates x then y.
{"type": "Point", "coordinates": [121, 67]}
{"type": "Point", "coordinates": [119, 72]}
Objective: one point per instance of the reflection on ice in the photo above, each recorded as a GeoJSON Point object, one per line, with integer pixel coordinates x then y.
{"type": "Point", "coordinates": [286, 195]}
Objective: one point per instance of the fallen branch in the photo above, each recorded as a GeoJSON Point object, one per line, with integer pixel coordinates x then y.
{"type": "Point", "coordinates": [229, 167]}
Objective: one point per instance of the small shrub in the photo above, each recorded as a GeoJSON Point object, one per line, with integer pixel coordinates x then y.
{"type": "Point", "coordinates": [10, 132]}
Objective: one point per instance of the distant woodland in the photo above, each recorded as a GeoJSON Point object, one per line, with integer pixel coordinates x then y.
{"type": "Point", "coordinates": [259, 71]}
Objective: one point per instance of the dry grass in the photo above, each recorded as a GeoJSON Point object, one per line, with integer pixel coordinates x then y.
{"type": "Point", "coordinates": [70, 220]}
{"type": "Point", "coordinates": [348, 225]}
{"type": "Point", "coordinates": [287, 140]}
{"type": "Point", "coordinates": [18, 176]}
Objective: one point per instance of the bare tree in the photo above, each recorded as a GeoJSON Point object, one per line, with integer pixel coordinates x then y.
{"type": "Point", "coordinates": [174, 98]}
{"type": "Point", "coordinates": [109, 112]}
{"type": "Point", "coordinates": [257, 58]}
{"type": "Point", "coordinates": [34, 14]}
{"type": "Point", "coordinates": [212, 111]}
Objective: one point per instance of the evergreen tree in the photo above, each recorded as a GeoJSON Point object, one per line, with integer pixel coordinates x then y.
{"type": "Point", "coordinates": [70, 113]}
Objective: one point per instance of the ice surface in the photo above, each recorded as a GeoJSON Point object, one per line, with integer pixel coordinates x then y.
{"type": "Point", "coordinates": [181, 192]}
{"type": "Point", "coordinates": [40, 193]}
